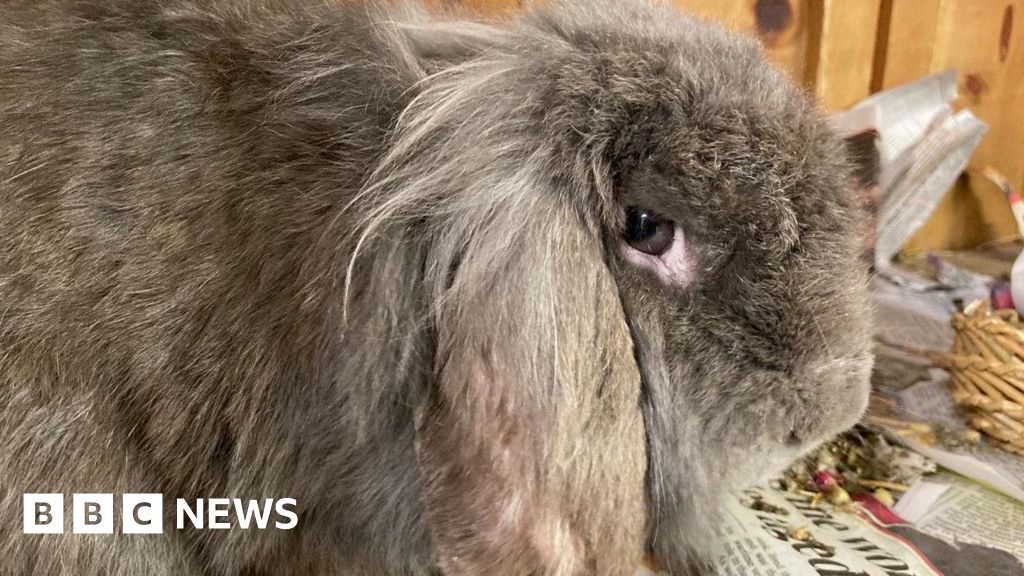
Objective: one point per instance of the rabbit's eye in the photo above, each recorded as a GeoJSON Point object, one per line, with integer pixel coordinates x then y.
{"type": "Point", "coordinates": [648, 233]}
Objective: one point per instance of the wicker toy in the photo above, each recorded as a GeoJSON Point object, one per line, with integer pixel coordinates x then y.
{"type": "Point", "coordinates": [986, 363]}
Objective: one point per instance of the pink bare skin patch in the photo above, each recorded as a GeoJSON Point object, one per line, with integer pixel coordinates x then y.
{"type": "Point", "coordinates": [674, 267]}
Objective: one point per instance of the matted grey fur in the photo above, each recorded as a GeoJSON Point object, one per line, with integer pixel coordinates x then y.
{"type": "Point", "coordinates": [374, 261]}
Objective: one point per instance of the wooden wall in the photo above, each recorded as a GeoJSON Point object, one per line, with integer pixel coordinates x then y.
{"type": "Point", "coordinates": [985, 42]}
{"type": "Point", "coordinates": [844, 50]}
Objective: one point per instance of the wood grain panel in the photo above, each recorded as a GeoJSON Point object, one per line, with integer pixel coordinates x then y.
{"type": "Point", "coordinates": [846, 51]}
{"type": "Point", "coordinates": [780, 25]}
{"type": "Point", "coordinates": [983, 40]}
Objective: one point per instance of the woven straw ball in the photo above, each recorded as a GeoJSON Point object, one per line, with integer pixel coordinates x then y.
{"type": "Point", "coordinates": [986, 364]}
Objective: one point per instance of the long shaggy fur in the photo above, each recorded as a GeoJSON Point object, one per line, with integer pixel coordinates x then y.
{"type": "Point", "coordinates": [372, 260]}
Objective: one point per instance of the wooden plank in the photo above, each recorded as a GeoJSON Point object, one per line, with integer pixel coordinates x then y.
{"type": "Point", "coordinates": [981, 39]}
{"type": "Point", "coordinates": [780, 25]}
{"type": "Point", "coordinates": [846, 53]}
{"type": "Point", "coordinates": [912, 26]}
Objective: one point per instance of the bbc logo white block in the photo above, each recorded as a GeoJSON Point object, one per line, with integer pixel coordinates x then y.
{"type": "Point", "coordinates": [142, 513]}
{"type": "Point", "coordinates": [92, 513]}
{"type": "Point", "coordinates": [43, 513]}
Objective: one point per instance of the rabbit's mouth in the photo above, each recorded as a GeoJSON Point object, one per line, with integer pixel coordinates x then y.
{"type": "Point", "coordinates": [794, 417]}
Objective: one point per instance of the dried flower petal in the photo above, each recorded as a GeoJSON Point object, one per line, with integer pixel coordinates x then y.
{"type": "Point", "coordinates": [838, 497]}
{"type": "Point", "coordinates": [800, 533]}
{"type": "Point", "coordinates": [825, 480]}
{"type": "Point", "coordinates": [885, 497]}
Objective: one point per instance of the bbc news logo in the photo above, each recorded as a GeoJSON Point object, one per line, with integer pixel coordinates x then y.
{"type": "Point", "coordinates": [144, 514]}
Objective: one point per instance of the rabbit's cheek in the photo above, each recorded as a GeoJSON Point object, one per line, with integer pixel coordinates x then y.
{"type": "Point", "coordinates": [759, 468]}
{"type": "Point", "coordinates": [675, 266]}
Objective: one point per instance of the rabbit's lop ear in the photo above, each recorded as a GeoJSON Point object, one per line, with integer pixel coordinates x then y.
{"type": "Point", "coordinates": [530, 437]}
{"type": "Point", "coordinates": [531, 442]}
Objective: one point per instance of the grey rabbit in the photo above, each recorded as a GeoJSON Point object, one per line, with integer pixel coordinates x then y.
{"type": "Point", "coordinates": [521, 297]}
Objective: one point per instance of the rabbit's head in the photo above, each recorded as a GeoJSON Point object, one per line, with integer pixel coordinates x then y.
{"type": "Point", "coordinates": [736, 260]}
{"type": "Point", "coordinates": [636, 244]}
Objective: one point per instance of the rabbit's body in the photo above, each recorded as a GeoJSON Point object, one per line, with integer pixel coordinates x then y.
{"type": "Point", "coordinates": [371, 262]}
{"type": "Point", "coordinates": [170, 322]}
